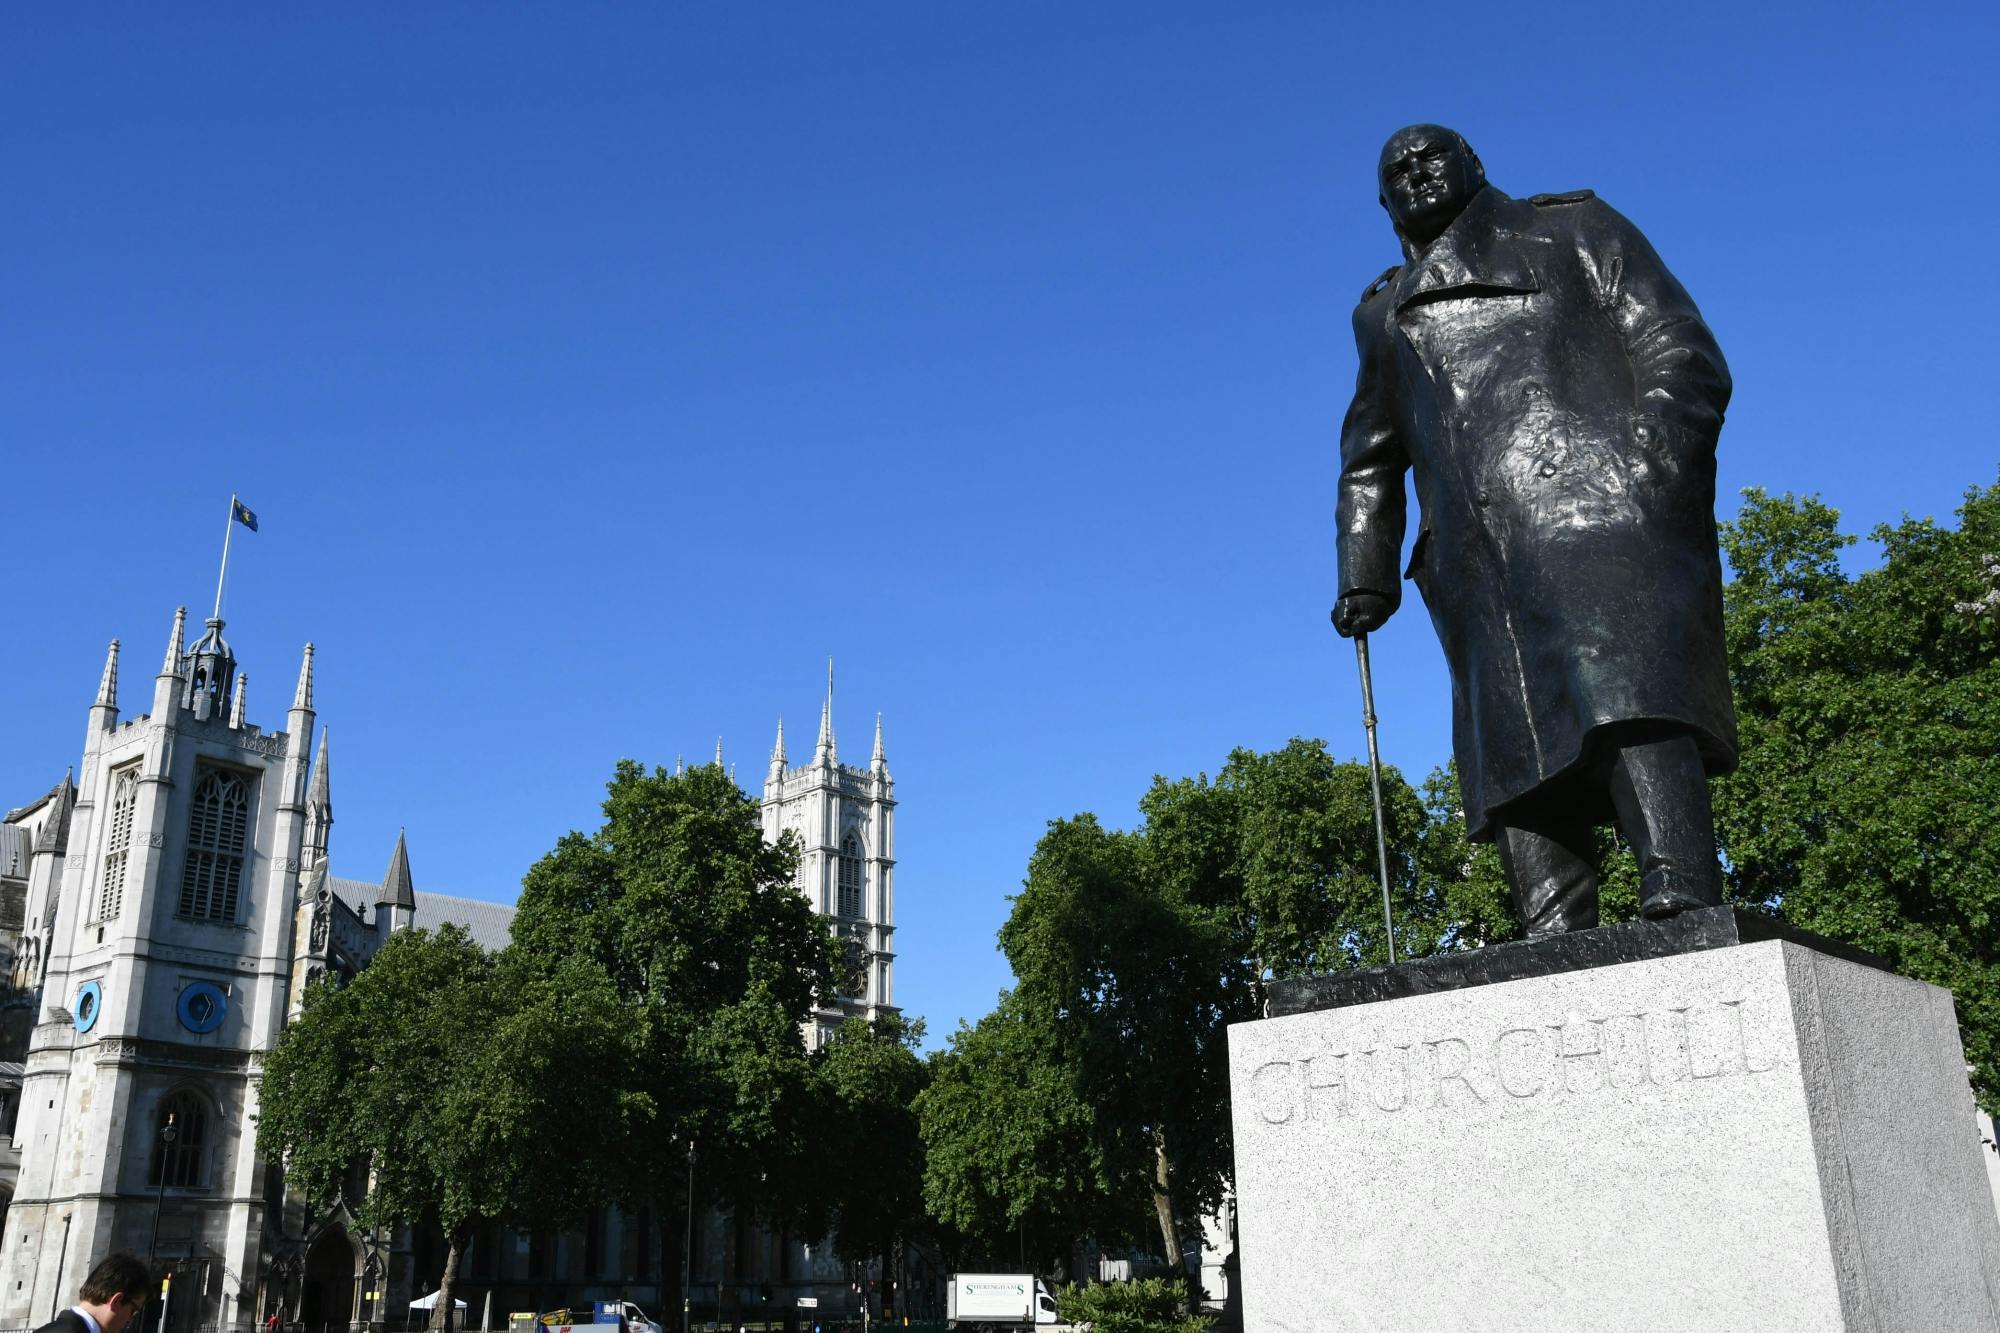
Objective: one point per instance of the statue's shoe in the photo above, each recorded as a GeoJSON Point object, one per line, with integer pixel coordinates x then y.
{"type": "Point", "coordinates": [1671, 902]}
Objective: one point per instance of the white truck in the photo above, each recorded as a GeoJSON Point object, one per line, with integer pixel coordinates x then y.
{"type": "Point", "coordinates": [994, 1301]}
{"type": "Point", "coordinates": [603, 1317]}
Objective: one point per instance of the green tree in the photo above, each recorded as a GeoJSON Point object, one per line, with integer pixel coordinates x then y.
{"type": "Point", "coordinates": [1280, 849]}
{"type": "Point", "coordinates": [1133, 951]}
{"type": "Point", "coordinates": [1135, 983]}
{"type": "Point", "coordinates": [870, 1157]}
{"type": "Point", "coordinates": [1011, 1152]}
{"type": "Point", "coordinates": [1476, 903]}
{"type": "Point", "coordinates": [474, 1086]}
{"type": "Point", "coordinates": [1867, 707]}
{"type": "Point", "coordinates": [696, 920]}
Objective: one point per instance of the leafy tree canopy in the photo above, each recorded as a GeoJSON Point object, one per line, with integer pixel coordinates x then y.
{"type": "Point", "coordinates": [1134, 982]}
{"type": "Point", "coordinates": [695, 919]}
{"type": "Point", "coordinates": [870, 1155]}
{"type": "Point", "coordinates": [1280, 849]}
{"type": "Point", "coordinates": [1010, 1143]}
{"type": "Point", "coordinates": [473, 1086]}
{"type": "Point", "coordinates": [1868, 707]}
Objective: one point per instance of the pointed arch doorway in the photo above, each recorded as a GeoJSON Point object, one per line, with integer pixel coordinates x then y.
{"type": "Point", "coordinates": [332, 1276]}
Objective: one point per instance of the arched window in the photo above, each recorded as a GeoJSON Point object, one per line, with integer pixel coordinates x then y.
{"type": "Point", "coordinates": [218, 835]}
{"type": "Point", "coordinates": [178, 1155]}
{"type": "Point", "coordinates": [117, 843]}
{"type": "Point", "coordinates": [798, 843]}
{"type": "Point", "coordinates": [850, 876]}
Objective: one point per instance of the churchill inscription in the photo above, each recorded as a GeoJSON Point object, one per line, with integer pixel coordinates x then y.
{"type": "Point", "coordinates": [1565, 1057]}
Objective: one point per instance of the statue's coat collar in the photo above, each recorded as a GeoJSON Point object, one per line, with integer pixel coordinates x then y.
{"type": "Point", "coordinates": [1479, 250]}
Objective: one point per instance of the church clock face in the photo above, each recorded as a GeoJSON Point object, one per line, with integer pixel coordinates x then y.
{"type": "Point", "coordinates": [202, 1006]}
{"type": "Point", "coordinates": [89, 1003]}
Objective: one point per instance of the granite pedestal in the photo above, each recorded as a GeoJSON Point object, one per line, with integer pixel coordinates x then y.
{"type": "Point", "coordinates": [1712, 1123]}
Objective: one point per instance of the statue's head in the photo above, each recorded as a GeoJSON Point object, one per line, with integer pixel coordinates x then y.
{"type": "Point", "coordinates": [1427, 175]}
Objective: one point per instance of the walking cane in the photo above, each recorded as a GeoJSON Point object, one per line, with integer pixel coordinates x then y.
{"type": "Point", "coordinates": [1375, 785]}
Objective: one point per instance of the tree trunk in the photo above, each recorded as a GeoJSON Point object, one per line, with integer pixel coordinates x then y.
{"type": "Point", "coordinates": [454, 1248]}
{"type": "Point", "coordinates": [1163, 1204]}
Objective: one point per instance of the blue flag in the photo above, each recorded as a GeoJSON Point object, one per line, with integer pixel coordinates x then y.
{"type": "Point", "coordinates": [243, 515]}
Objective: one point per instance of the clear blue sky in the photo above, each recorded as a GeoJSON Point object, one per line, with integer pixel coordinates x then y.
{"type": "Point", "coordinates": [597, 371]}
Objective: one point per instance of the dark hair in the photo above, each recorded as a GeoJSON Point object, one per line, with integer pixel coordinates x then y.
{"type": "Point", "coordinates": [120, 1273]}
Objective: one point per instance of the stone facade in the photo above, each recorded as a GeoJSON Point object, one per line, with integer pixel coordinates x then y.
{"type": "Point", "coordinates": [162, 911]}
{"type": "Point", "coordinates": [160, 916]}
{"type": "Point", "coordinates": [160, 952]}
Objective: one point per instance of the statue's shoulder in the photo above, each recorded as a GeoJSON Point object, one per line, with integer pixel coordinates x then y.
{"type": "Point", "coordinates": [1567, 197]}
{"type": "Point", "coordinates": [1381, 284]}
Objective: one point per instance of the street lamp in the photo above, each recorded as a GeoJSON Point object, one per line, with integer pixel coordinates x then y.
{"type": "Point", "coordinates": [687, 1250]}
{"type": "Point", "coordinates": [167, 1136]}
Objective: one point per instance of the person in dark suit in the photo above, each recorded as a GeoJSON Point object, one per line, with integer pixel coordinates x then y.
{"type": "Point", "coordinates": [115, 1291]}
{"type": "Point", "coordinates": [1558, 397]}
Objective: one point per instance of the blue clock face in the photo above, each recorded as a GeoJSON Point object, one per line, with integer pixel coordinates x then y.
{"type": "Point", "coordinates": [88, 1004]}
{"type": "Point", "coordinates": [202, 1006]}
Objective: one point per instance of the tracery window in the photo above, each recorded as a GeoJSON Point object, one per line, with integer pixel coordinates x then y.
{"type": "Point", "coordinates": [117, 843]}
{"type": "Point", "coordinates": [177, 1156]}
{"type": "Point", "coordinates": [218, 836]}
{"type": "Point", "coordinates": [850, 877]}
{"type": "Point", "coordinates": [797, 836]}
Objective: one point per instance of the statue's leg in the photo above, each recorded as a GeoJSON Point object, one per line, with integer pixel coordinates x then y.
{"type": "Point", "coordinates": [1551, 869]}
{"type": "Point", "coordinates": [1660, 791]}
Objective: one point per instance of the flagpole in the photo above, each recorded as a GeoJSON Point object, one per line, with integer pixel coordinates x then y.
{"type": "Point", "coordinates": [228, 525]}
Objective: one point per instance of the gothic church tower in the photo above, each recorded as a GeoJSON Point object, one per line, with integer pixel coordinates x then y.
{"type": "Point", "coordinates": [168, 948]}
{"type": "Point", "coordinates": [844, 819]}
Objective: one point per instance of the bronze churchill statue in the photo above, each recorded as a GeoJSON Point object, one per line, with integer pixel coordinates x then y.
{"type": "Point", "coordinates": [1558, 397]}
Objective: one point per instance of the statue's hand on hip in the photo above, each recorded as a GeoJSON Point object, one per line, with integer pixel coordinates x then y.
{"type": "Point", "coordinates": [1361, 613]}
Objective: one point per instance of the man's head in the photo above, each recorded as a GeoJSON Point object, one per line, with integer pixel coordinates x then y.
{"type": "Point", "coordinates": [1427, 175]}
{"type": "Point", "coordinates": [116, 1290]}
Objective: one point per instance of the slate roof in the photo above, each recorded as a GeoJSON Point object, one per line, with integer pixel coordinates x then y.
{"type": "Point", "coordinates": [489, 923]}
{"type": "Point", "coordinates": [358, 894]}
{"type": "Point", "coordinates": [55, 830]}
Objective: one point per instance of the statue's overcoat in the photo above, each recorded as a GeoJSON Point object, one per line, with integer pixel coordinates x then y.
{"type": "Point", "coordinates": [1558, 398]}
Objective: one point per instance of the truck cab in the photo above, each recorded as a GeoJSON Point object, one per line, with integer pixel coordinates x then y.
{"type": "Point", "coordinates": [603, 1317]}
{"type": "Point", "coordinates": [635, 1319]}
